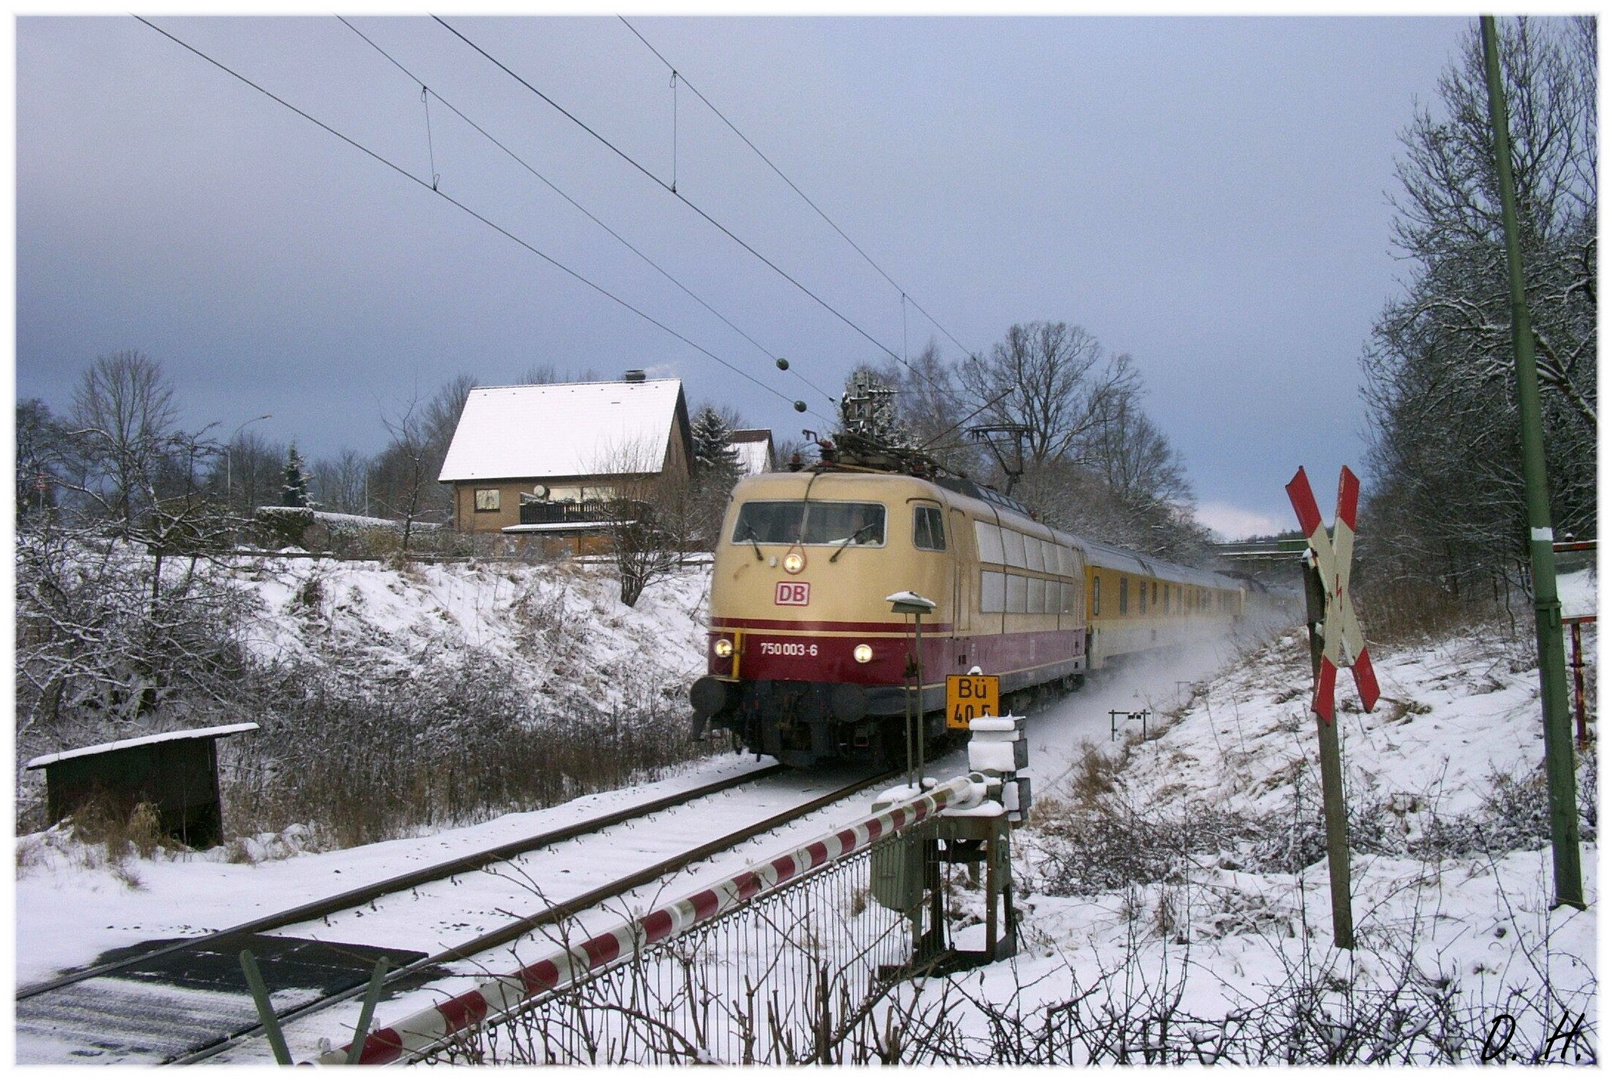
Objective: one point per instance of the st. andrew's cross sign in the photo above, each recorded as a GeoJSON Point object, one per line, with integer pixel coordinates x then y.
{"type": "Point", "coordinates": [1343, 645]}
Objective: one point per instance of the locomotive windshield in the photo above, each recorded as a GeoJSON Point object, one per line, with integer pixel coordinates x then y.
{"type": "Point", "coordinates": [824, 523]}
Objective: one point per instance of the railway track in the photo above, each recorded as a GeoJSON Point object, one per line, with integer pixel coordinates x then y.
{"type": "Point", "coordinates": [188, 988]}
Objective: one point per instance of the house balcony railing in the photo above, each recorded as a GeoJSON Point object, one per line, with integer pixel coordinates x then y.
{"type": "Point", "coordinates": [564, 513]}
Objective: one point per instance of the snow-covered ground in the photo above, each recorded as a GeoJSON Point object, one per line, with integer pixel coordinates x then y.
{"type": "Point", "coordinates": [561, 625]}
{"type": "Point", "coordinates": [1447, 763]}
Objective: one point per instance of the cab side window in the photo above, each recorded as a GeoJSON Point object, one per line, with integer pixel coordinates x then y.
{"type": "Point", "coordinates": [928, 528]}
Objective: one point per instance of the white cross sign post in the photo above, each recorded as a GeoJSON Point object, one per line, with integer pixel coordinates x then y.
{"type": "Point", "coordinates": [1341, 644]}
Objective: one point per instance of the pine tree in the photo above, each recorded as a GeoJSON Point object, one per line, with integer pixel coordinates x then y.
{"type": "Point", "coordinates": [713, 450]}
{"type": "Point", "coordinates": [295, 491]}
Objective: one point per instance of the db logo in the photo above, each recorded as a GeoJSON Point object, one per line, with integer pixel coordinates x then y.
{"type": "Point", "coordinates": [793, 593]}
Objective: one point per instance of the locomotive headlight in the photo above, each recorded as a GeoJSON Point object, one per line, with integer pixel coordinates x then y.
{"type": "Point", "coordinates": [863, 653]}
{"type": "Point", "coordinates": [795, 562]}
{"type": "Point", "coordinates": [723, 648]}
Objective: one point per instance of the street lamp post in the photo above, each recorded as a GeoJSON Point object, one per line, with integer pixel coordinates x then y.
{"type": "Point", "coordinates": [229, 455]}
{"type": "Point", "coordinates": [910, 603]}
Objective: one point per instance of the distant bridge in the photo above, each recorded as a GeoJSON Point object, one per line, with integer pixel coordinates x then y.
{"type": "Point", "coordinates": [1262, 551]}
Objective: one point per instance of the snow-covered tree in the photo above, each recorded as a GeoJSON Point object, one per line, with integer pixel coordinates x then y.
{"type": "Point", "coordinates": [295, 490]}
{"type": "Point", "coordinates": [712, 437]}
{"type": "Point", "coordinates": [1440, 382]}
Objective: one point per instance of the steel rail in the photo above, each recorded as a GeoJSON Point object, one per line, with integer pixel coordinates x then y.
{"type": "Point", "coordinates": [480, 860]}
{"type": "Point", "coordinates": [551, 914]}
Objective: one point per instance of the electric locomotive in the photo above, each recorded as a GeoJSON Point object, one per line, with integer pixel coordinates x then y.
{"type": "Point", "coordinates": [807, 661]}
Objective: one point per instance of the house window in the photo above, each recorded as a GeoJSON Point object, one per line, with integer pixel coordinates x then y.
{"type": "Point", "coordinates": [487, 500]}
{"type": "Point", "coordinates": [1124, 596]}
{"type": "Point", "coordinates": [1096, 596]}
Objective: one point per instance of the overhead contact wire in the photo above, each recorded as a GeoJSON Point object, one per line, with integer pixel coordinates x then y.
{"type": "Point", "coordinates": [355, 144]}
{"type": "Point", "coordinates": [793, 187]}
{"type": "Point", "coordinates": [578, 206]}
{"type": "Point", "coordinates": [826, 306]}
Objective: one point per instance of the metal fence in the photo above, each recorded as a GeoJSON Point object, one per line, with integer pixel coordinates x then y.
{"type": "Point", "coordinates": [785, 979]}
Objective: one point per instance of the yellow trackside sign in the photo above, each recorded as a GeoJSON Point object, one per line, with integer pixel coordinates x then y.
{"type": "Point", "coordinates": [968, 696]}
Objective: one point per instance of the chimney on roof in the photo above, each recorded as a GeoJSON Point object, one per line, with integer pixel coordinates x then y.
{"type": "Point", "coordinates": [633, 375]}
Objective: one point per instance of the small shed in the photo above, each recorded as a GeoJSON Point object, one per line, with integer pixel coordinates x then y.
{"type": "Point", "coordinates": [175, 771]}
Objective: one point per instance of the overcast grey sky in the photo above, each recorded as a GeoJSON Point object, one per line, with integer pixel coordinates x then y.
{"type": "Point", "coordinates": [1206, 194]}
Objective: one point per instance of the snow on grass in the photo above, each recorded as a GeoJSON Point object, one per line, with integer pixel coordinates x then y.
{"type": "Point", "coordinates": [1215, 899]}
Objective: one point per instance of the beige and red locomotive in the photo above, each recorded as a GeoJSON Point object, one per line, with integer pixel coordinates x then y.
{"type": "Point", "coordinates": [808, 663]}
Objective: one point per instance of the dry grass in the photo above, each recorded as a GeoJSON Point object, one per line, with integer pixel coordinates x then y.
{"type": "Point", "coordinates": [123, 834]}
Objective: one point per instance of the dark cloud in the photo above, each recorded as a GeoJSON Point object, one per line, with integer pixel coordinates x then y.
{"type": "Point", "coordinates": [1206, 194]}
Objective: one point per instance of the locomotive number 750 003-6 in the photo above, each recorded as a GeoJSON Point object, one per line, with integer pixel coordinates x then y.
{"type": "Point", "coordinates": [786, 648]}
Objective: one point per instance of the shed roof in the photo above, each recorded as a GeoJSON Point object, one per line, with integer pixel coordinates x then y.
{"type": "Point", "coordinates": [563, 429]}
{"type": "Point", "coordinates": [143, 740]}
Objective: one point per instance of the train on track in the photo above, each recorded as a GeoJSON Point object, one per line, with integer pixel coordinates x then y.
{"type": "Point", "coordinates": [808, 662]}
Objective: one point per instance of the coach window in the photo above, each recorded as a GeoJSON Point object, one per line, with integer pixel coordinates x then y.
{"type": "Point", "coordinates": [487, 500]}
{"type": "Point", "coordinates": [928, 528]}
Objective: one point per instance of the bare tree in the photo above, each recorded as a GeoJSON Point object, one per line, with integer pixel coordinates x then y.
{"type": "Point", "coordinates": [1134, 459]}
{"type": "Point", "coordinates": [1053, 379]}
{"type": "Point", "coordinates": [933, 408]}
{"type": "Point", "coordinates": [652, 518]}
{"type": "Point", "coordinates": [123, 414]}
{"type": "Point", "coordinates": [404, 477]}
{"type": "Point", "coordinates": [248, 473]}
{"type": "Point", "coordinates": [405, 469]}
{"type": "Point", "coordinates": [341, 483]}
{"type": "Point", "coordinates": [43, 454]}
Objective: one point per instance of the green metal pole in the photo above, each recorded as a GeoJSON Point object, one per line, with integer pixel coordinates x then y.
{"type": "Point", "coordinates": [265, 1009]}
{"type": "Point", "coordinates": [1547, 607]}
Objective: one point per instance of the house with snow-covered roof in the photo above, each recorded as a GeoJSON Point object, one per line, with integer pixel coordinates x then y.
{"type": "Point", "coordinates": [545, 458]}
{"type": "Point", "coordinates": [752, 448]}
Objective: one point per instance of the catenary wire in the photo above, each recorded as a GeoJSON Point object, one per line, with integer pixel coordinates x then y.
{"type": "Point", "coordinates": [906, 296]}
{"type": "Point", "coordinates": [579, 207]}
{"type": "Point", "coordinates": [601, 290]}
{"type": "Point", "coordinates": [881, 346]}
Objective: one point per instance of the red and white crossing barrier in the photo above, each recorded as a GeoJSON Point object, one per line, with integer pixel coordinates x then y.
{"type": "Point", "coordinates": [415, 1035]}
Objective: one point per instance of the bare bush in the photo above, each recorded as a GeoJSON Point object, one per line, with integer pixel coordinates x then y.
{"type": "Point", "coordinates": [446, 744]}
{"type": "Point", "coordinates": [107, 634]}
